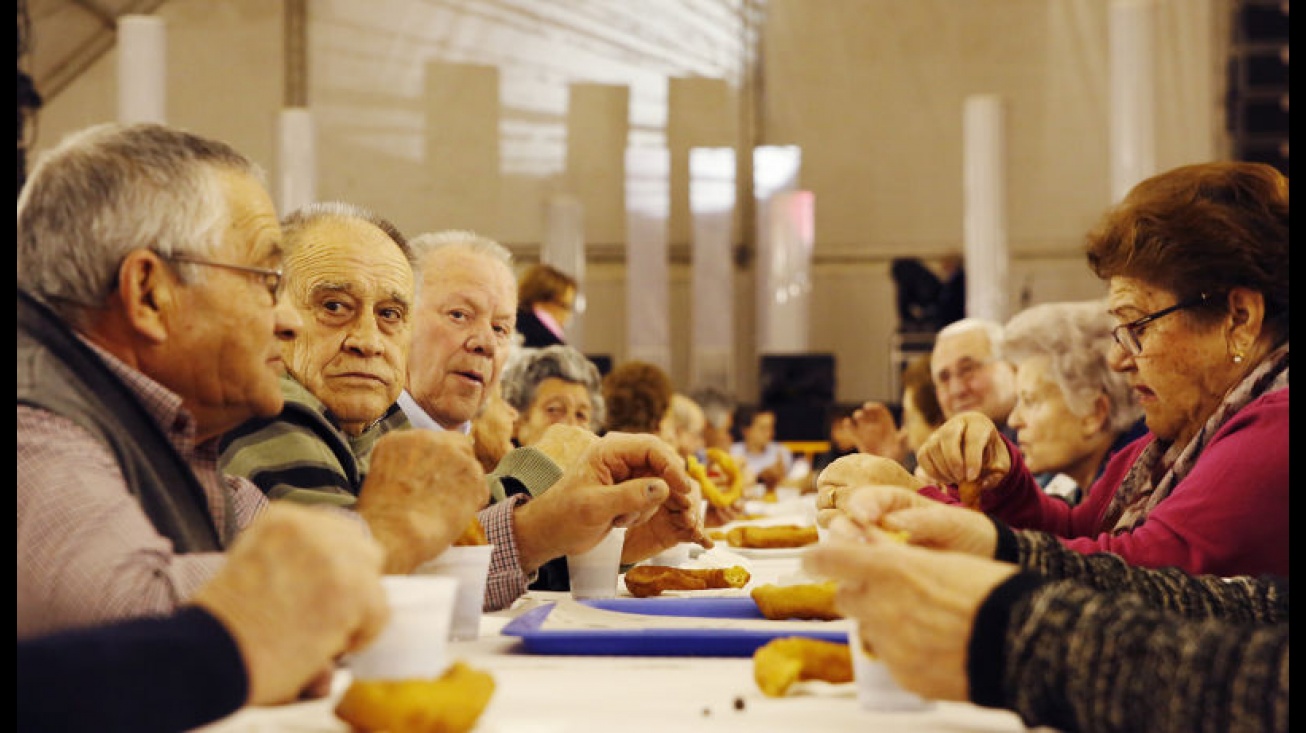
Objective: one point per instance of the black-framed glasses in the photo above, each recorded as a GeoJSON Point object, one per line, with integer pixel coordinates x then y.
{"type": "Point", "coordinates": [271, 278]}
{"type": "Point", "coordinates": [1126, 334]}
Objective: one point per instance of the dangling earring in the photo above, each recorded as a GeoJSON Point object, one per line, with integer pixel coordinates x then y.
{"type": "Point", "coordinates": [1238, 357]}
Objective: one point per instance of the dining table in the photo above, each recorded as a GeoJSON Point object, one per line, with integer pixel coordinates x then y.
{"type": "Point", "coordinates": [635, 675]}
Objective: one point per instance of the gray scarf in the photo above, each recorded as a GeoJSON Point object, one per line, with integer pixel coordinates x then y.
{"type": "Point", "coordinates": [1139, 492]}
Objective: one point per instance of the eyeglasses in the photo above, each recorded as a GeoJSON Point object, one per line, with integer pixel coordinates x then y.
{"type": "Point", "coordinates": [1126, 334]}
{"type": "Point", "coordinates": [967, 369]}
{"type": "Point", "coordinates": [271, 278]}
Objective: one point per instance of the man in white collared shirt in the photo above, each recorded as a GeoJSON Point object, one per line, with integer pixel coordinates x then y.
{"type": "Point", "coordinates": [462, 334]}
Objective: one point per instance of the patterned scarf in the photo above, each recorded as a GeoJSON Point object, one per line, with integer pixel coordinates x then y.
{"type": "Point", "coordinates": [1140, 492]}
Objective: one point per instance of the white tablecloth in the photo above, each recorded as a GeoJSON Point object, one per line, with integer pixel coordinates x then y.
{"type": "Point", "coordinates": [628, 694]}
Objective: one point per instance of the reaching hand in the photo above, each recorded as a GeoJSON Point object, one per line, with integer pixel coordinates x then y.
{"type": "Point", "coordinates": [300, 587]}
{"type": "Point", "coordinates": [926, 522]}
{"type": "Point", "coordinates": [915, 607]}
{"type": "Point", "coordinates": [421, 491]}
{"type": "Point", "coordinates": [851, 471]}
{"type": "Point", "coordinates": [967, 448]}
{"type": "Point", "coordinates": [875, 432]}
{"type": "Point", "coordinates": [620, 480]}
{"type": "Point", "coordinates": [564, 444]}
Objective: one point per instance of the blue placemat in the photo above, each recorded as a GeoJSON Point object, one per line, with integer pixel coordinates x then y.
{"type": "Point", "coordinates": [668, 642]}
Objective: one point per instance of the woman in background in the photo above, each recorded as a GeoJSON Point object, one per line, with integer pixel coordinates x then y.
{"type": "Point", "coordinates": [1072, 411]}
{"type": "Point", "coordinates": [546, 299]}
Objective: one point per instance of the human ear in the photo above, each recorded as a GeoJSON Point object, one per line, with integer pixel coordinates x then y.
{"type": "Point", "coordinates": [1098, 416]}
{"type": "Point", "coordinates": [147, 292]}
{"type": "Point", "coordinates": [1246, 319]}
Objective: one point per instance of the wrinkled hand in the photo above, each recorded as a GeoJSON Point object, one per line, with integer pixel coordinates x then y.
{"type": "Point", "coordinates": [857, 469]}
{"type": "Point", "coordinates": [927, 522]}
{"type": "Point", "coordinates": [564, 444]}
{"type": "Point", "coordinates": [967, 447]}
{"type": "Point", "coordinates": [492, 431]}
{"type": "Point", "coordinates": [874, 431]}
{"type": "Point", "coordinates": [422, 489]}
{"type": "Point", "coordinates": [668, 527]}
{"type": "Point", "coordinates": [915, 607]}
{"type": "Point", "coordinates": [718, 516]}
{"type": "Point", "coordinates": [301, 586]}
{"type": "Point", "coordinates": [620, 480]}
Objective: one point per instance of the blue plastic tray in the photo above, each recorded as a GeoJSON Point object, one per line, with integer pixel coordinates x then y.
{"type": "Point", "coordinates": [661, 642]}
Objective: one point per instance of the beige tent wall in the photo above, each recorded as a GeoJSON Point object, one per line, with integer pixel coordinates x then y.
{"type": "Point", "coordinates": [473, 113]}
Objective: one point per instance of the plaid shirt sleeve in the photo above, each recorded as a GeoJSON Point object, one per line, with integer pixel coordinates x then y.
{"type": "Point", "coordinates": [506, 582]}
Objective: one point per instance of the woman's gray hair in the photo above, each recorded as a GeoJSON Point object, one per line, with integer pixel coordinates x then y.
{"type": "Point", "coordinates": [426, 244]}
{"type": "Point", "coordinates": [529, 367]}
{"type": "Point", "coordinates": [1076, 337]}
{"type": "Point", "coordinates": [111, 189]}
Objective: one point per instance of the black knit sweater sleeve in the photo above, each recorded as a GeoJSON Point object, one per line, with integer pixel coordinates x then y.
{"type": "Point", "coordinates": [1081, 660]}
{"type": "Point", "coordinates": [1090, 643]}
{"type": "Point", "coordinates": [1241, 599]}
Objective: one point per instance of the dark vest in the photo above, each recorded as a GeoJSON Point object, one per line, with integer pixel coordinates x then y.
{"type": "Point", "coordinates": [59, 373]}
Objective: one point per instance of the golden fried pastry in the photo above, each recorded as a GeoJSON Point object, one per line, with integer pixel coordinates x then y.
{"type": "Point", "coordinates": [780, 663]}
{"type": "Point", "coordinates": [650, 580]}
{"type": "Point", "coordinates": [451, 703]}
{"type": "Point", "coordinates": [721, 492]}
{"type": "Point", "coordinates": [805, 601]}
{"type": "Point", "coordinates": [970, 493]}
{"type": "Point", "coordinates": [780, 535]}
{"type": "Point", "coordinates": [473, 534]}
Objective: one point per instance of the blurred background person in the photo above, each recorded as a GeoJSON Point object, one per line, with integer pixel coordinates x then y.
{"type": "Point", "coordinates": [872, 427]}
{"type": "Point", "coordinates": [694, 429]}
{"type": "Point", "coordinates": [683, 427]}
{"type": "Point", "coordinates": [921, 412]}
{"type": "Point", "coordinates": [970, 372]}
{"type": "Point", "coordinates": [1072, 411]}
{"type": "Point", "coordinates": [764, 459]}
{"type": "Point", "coordinates": [637, 395]}
{"type": "Point", "coordinates": [555, 384]}
{"type": "Point", "coordinates": [839, 432]}
{"type": "Point", "coordinates": [719, 417]}
{"type": "Point", "coordinates": [546, 300]}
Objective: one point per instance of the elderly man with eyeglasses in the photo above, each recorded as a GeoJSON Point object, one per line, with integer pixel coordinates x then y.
{"type": "Point", "coordinates": [969, 371]}
{"type": "Point", "coordinates": [149, 325]}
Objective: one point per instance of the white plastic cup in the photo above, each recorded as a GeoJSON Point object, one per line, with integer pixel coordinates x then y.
{"type": "Point", "coordinates": [787, 493]}
{"type": "Point", "coordinates": [594, 573]}
{"type": "Point", "coordinates": [674, 556]}
{"type": "Point", "coordinates": [470, 564]}
{"type": "Point", "coordinates": [876, 688]}
{"type": "Point", "coordinates": [415, 643]}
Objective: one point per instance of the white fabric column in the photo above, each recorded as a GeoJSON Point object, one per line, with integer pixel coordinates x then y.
{"type": "Point", "coordinates": [142, 69]}
{"type": "Point", "coordinates": [297, 153]}
{"type": "Point", "coordinates": [564, 248]}
{"type": "Point", "coordinates": [985, 208]}
{"type": "Point", "coordinates": [712, 208]}
{"type": "Point", "coordinates": [783, 251]}
{"type": "Point", "coordinates": [1133, 93]}
{"type": "Point", "coordinates": [648, 206]}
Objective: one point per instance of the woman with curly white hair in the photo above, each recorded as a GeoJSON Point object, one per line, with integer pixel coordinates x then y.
{"type": "Point", "coordinates": [1072, 411]}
